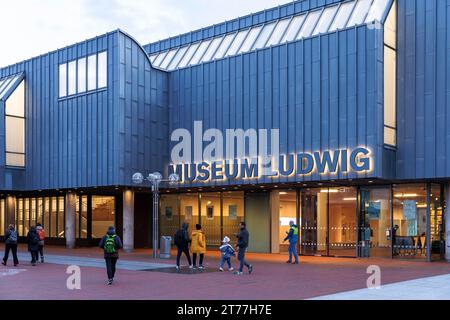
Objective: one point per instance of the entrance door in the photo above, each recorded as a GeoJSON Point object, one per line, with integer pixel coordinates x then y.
{"type": "Point", "coordinates": [314, 236]}
{"type": "Point", "coordinates": [437, 226]}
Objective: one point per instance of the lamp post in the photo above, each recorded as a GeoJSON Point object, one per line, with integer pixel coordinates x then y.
{"type": "Point", "coordinates": [155, 179]}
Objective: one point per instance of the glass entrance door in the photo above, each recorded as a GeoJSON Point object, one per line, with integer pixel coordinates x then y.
{"type": "Point", "coordinates": [314, 221]}
{"type": "Point", "coordinates": [437, 229]}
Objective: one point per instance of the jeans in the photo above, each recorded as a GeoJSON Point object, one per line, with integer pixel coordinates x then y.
{"type": "Point", "coordinates": [13, 248]}
{"type": "Point", "coordinates": [186, 252]}
{"type": "Point", "coordinates": [41, 252]}
{"type": "Point", "coordinates": [241, 258]}
{"type": "Point", "coordinates": [293, 252]}
{"type": "Point", "coordinates": [34, 256]}
{"type": "Point", "coordinates": [227, 260]}
{"type": "Point", "coordinates": [111, 267]}
{"type": "Point", "coordinates": [194, 258]}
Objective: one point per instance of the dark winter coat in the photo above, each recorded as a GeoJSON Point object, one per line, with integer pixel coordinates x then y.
{"type": "Point", "coordinates": [243, 239]}
{"type": "Point", "coordinates": [33, 240]}
{"type": "Point", "coordinates": [117, 242]}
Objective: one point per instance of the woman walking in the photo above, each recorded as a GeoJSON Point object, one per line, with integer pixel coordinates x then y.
{"type": "Point", "coordinates": [11, 245]}
{"type": "Point", "coordinates": [198, 246]}
{"type": "Point", "coordinates": [33, 244]}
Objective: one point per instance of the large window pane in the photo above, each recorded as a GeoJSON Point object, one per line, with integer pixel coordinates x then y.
{"type": "Point", "coordinates": [26, 215]}
{"type": "Point", "coordinates": [233, 213]}
{"type": "Point", "coordinates": [170, 215]}
{"type": "Point", "coordinates": [224, 46]}
{"type": "Point", "coordinates": [377, 10]}
{"type": "Point", "coordinates": [159, 58]}
{"type": "Point", "coordinates": [19, 218]}
{"type": "Point", "coordinates": [92, 72]}
{"type": "Point", "coordinates": [314, 204]}
{"type": "Point", "coordinates": [211, 49]}
{"type": "Point", "coordinates": [264, 36]}
{"type": "Point", "coordinates": [176, 59]}
{"type": "Point", "coordinates": [437, 227]}
{"type": "Point", "coordinates": [210, 218]}
{"type": "Point", "coordinates": [410, 221]}
{"type": "Point", "coordinates": [82, 75]}
{"type": "Point", "coordinates": [46, 220]}
{"type": "Point", "coordinates": [103, 215]}
{"type": "Point", "coordinates": [15, 105]}
{"type": "Point", "coordinates": [200, 52]}
{"type": "Point", "coordinates": [15, 134]}
{"type": "Point", "coordinates": [310, 23]}
{"type": "Point", "coordinates": [189, 209]}
{"type": "Point", "coordinates": [83, 217]}
{"type": "Point", "coordinates": [54, 219]}
{"type": "Point", "coordinates": [103, 69]}
{"type": "Point", "coordinates": [288, 213]}
{"type": "Point", "coordinates": [294, 27]}
{"type": "Point", "coordinates": [61, 218]}
{"type": "Point", "coordinates": [390, 28]}
{"type": "Point", "coordinates": [343, 15]}
{"type": "Point", "coordinates": [278, 33]}
{"type": "Point", "coordinates": [359, 13]}
{"type": "Point", "coordinates": [170, 55]}
{"type": "Point", "coordinates": [63, 80]}
{"type": "Point", "coordinates": [2, 217]}
{"type": "Point", "coordinates": [72, 78]}
{"type": "Point", "coordinates": [250, 40]}
{"type": "Point", "coordinates": [237, 42]}
{"type": "Point", "coordinates": [325, 20]}
{"type": "Point", "coordinates": [188, 56]}
{"type": "Point", "coordinates": [389, 87]}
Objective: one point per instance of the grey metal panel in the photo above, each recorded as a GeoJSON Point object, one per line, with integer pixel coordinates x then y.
{"type": "Point", "coordinates": [322, 93]}
{"type": "Point", "coordinates": [423, 89]}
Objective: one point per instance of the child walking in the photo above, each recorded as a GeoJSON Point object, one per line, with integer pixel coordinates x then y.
{"type": "Point", "coordinates": [227, 252]}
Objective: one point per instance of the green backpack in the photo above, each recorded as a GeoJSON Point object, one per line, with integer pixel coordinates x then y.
{"type": "Point", "coordinates": [110, 244]}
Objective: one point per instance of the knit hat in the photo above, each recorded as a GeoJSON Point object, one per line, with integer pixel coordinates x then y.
{"type": "Point", "coordinates": [226, 240]}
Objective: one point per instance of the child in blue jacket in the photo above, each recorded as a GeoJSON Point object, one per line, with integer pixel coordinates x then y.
{"type": "Point", "coordinates": [227, 252]}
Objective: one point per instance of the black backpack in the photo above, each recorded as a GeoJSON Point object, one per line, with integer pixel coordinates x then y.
{"type": "Point", "coordinates": [34, 239]}
{"type": "Point", "coordinates": [179, 238]}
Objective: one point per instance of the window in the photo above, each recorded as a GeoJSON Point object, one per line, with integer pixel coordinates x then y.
{"type": "Point", "coordinates": [279, 31]}
{"type": "Point", "coordinates": [342, 16]}
{"type": "Point", "coordinates": [264, 36]}
{"type": "Point", "coordinates": [188, 56]}
{"type": "Point", "coordinates": [2, 217]}
{"type": "Point", "coordinates": [224, 46]}
{"type": "Point", "coordinates": [159, 59]}
{"type": "Point", "coordinates": [359, 13]}
{"type": "Point", "coordinates": [176, 60]}
{"type": "Point", "coordinates": [168, 58]}
{"type": "Point", "coordinates": [103, 215]}
{"type": "Point", "coordinates": [15, 127]}
{"type": "Point", "coordinates": [200, 52]}
{"type": "Point", "coordinates": [390, 79]}
{"type": "Point", "coordinates": [63, 80]}
{"type": "Point", "coordinates": [325, 21]}
{"type": "Point", "coordinates": [82, 75]}
{"type": "Point", "coordinates": [102, 70]}
{"type": "Point", "coordinates": [250, 40]}
{"type": "Point", "coordinates": [92, 72]}
{"type": "Point", "coordinates": [72, 78]}
{"type": "Point", "coordinates": [309, 24]}
{"type": "Point", "coordinates": [211, 49]}
{"type": "Point", "coordinates": [377, 10]}
{"type": "Point", "coordinates": [237, 43]}
{"type": "Point", "coordinates": [294, 27]}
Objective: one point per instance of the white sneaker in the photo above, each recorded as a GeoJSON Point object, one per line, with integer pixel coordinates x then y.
{"type": "Point", "coordinates": [191, 267]}
{"type": "Point", "coordinates": [231, 269]}
{"type": "Point", "coordinates": [221, 269]}
{"type": "Point", "coordinates": [177, 267]}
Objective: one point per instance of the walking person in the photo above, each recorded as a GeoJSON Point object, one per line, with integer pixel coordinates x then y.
{"type": "Point", "coordinates": [226, 251]}
{"type": "Point", "coordinates": [33, 244]}
{"type": "Point", "coordinates": [41, 234]}
{"type": "Point", "coordinates": [292, 236]}
{"type": "Point", "coordinates": [198, 246]}
{"type": "Point", "coordinates": [242, 246]}
{"type": "Point", "coordinates": [11, 238]}
{"type": "Point", "coordinates": [111, 244]}
{"type": "Point", "coordinates": [182, 242]}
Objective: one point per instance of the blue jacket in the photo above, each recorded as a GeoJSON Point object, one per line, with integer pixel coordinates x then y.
{"type": "Point", "coordinates": [227, 251]}
{"type": "Point", "coordinates": [292, 235]}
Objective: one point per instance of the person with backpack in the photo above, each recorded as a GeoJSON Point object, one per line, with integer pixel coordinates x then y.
{"type": "Point", "coordinates": [198, 246]}
{"type": "Point", "coordinates": [182, 242]}
{"type": "Point", "coordinates": [11, 245]}
{"type": "Point", "coordinates": [33, 245]}
{"type": "Point", "coordinates": [242, 246]}
{"type": "Point", "coordinates": [226, 252]}
{"type": "Point", "coordinates": [111, 244]}
{"type": "Point", "coordinates": [292, 236]}
{"type": "Point", "coordinates": [41, 234]}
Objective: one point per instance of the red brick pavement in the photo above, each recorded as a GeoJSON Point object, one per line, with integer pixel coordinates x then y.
{"type": "Point", "coordinates": [272, 279]}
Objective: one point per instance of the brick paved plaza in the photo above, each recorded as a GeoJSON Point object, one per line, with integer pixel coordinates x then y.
{"type": "Point", "coordinates": [272, 278]}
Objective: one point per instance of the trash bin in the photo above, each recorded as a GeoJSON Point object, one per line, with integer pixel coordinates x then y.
{"type": "Point", "coordinates": [165, 245]}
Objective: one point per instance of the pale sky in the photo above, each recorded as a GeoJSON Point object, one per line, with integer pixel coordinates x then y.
{"type": "Point", "coordinates": [29, 28]}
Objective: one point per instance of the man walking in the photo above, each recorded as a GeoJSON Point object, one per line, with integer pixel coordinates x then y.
{"type": "Point", "coordinates": [292, 236]}
{"type": "Point", "coordinates": [182, 242]}
{"type": "Point", "coordinates": [242, 246]}
{"type": "Point", "coordinates": [11, 245]}
{"type": "Point", "coordinates": [111, 244]}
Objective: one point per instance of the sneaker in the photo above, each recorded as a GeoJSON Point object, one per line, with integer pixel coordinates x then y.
{"type": "Point", "coordinates": [201, 268]}
{"type": "Point", "coordinates": [288, 262]}
{"type": "Point", "coordinates": [250, 269]}
{"type": "Point", "coordinates": [221, 269]}
{"type": "Point", "coordinates": [178, 268]}
{"type": "Point", "coordinates": [109, 282]}
{"type": "Point", "coordinates": [42, 260]}
{"type": "Point", "coordinates": [192, 267]}
{"type": "Point", "coordinates": [231, 269]}
{"type": "Point", "coordinates": [238, 273]}
{"type": "Point", "coordinates": [4, 263]}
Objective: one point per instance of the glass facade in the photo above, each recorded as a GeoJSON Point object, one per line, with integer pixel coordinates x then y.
{"type": "Point", "coordinates": [15, 127]}
{"type": "Point", "coordinates": [332, 18]}
{"type": "Point", "coordinates": [103, 215]}
{"type": "Point", "coordinates": [288, 213]}
{"type": "Point", "coordinates": [3, 225]}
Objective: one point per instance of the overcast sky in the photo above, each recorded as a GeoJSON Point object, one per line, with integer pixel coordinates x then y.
{"type": "Point", "coordinates": [30, 28]}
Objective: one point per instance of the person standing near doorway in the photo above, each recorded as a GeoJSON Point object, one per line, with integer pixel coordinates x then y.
{"type": "Point", "coordinates": [11, 245]}
{"type": "Point", "coordinates": [198, 246]}
{"type": "Point", "coordinates": [111, 244]}
{"type": "Point", "coordinates": [33, 245]}
{"type": "Point", "coordinates": [242, 246]}
{"type": "Point", "coordinates": [292, 236]}
{"type": "Point", "coordinates": [41, 234]}
{"type": "Point", "coordinates": [182, 242]}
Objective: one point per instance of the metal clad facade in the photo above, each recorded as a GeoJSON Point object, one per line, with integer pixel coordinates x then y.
{"type": "Point", "coordinates": [423, 89]}
{"type": "Point", "coordinates": [322, 93]}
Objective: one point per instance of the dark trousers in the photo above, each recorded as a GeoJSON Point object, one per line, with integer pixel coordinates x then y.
{"type": "Point", "coordinates": [41, 251]}
{"type": "Point", "coordinates": [13, 249]}
{"type": "Point", "coordinates": [186, 252]}
{"type": "Point", "coordinates": [111, 267]}
{"type": "Point", "coordinates": [34, 256]}
{"type": "Point", "coordinates": [194, 257]}
{"type": "Point", "coordinates": [241, 258]}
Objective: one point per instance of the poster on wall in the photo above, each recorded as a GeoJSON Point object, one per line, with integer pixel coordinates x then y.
{"type": "Point", "coordinates": [232, 212]}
